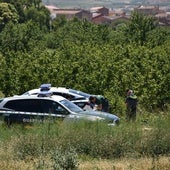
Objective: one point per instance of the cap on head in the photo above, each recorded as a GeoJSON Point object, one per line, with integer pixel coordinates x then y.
{"type": "Point", "coordinates": [130, 92]}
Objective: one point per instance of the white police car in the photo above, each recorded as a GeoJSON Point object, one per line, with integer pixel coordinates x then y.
{"type": "Point", "coordinates": [67, 93]}
{"type": "Point", "coordinates": [78, 97]}
{"type": "Point", "coordinates": [39, 107]}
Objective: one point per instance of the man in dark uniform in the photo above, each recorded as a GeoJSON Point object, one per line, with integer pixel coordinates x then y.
{"type": "Point", "coordinates": [131, 105]}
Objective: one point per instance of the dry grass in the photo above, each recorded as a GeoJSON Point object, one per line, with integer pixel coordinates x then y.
{"type": "Point", "coordinates": [8, 159]}
{"type": "Point", "coordinates": [124, 164]}
{"type": "Point", "coordinates": [7, 162]}
{"type": "Point", "coordinates": [127, 164]}
{"type": "Point", "coordinates": [15, 165]}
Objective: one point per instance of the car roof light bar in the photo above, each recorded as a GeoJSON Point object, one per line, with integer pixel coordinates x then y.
{"type": "Point", "coordinates": [44, 94]}
{"type": "Point", "coordinates": [45, 87]}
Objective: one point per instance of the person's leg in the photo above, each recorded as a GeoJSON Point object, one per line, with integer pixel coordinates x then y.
{"type": "Point", "coordinates": [128, 114]}
{"type": "Point", "coordinates": [133, 114]}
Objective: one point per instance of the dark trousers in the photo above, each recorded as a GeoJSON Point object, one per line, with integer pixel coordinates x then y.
{"type": "Point", "coordinates": [131, 113]}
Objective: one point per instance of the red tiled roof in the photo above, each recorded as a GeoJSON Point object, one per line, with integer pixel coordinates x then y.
{"type": "Point", "coordinates": [51, 7]}
{"type": "Point", "coordinates": [146, 7]}
{"type": "Point", "coordinates": [66, 11]}
{"type": "Point", "coordinates": [96, 8]}
{"type": "Point", "coordinates": [94, 15]}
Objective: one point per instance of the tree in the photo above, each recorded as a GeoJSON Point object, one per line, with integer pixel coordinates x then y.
{"type": "Point", "coordinates": [58, 22]}
{"type": "Point", "coordinates": [23, 5]}
{"type": "Point", "coordinates": [139, 25]}
{"type": "Point", "coordinates": [40, 16]}
{"type": "Point", "coordinates": [8, 14]}
{"type": "Point", "coordinates": [20, 37]}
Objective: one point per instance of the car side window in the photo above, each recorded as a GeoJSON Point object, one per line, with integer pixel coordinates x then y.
{"type": "Point", "coordinates": [60, 109]}
{"type": "Point", "coordinates": [65, 95]}
{"type": "Point", "coordinates": [49, 106]}
{"type": "Point", "coordinates": [80, 104]}
{"type": "Point", "coordinates": [26, 105]}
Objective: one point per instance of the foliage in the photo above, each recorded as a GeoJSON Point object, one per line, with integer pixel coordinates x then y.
{"type": "Point", "coordinates": [40, 16]}
{"type": "Point", "coordinates": [65, 160]}
{"type": "Point", "coordinates": [8, 14]}
{"type": "Point", "coordinates": [20, 37]}
{"type": "Point", "coordinates": [139, 26]}
{"type": "Point", "coordinates": [26, 6]}
{"type": "Point", "coordinates": [97, 59]}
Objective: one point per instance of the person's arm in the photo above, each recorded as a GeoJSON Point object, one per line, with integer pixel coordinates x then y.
{"type": "Point", "coordinates": [99, 104]}
{"type": "Point", "coordinates": [99, 107]}
{"type": "Point", "coordinates": [127, 101]}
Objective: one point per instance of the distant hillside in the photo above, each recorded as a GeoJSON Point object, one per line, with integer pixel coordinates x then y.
{"type": "Point", "coordinates": [107, 3]}
{"type": "Point", "coordinates": [81, 3]}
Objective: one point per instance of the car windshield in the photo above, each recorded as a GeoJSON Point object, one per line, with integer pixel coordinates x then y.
{"type": "Point", "coordinates": [26, 93]}
{"type": "Point", "coordinates": [1, 100]}
{"type": "Point", "coordinates": [79, 93]}
{"type": "Point", "coordinates": [71, 106]}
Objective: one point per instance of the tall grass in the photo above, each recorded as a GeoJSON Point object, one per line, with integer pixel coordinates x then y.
{"type": "Point", "coordinates": [45, 143]}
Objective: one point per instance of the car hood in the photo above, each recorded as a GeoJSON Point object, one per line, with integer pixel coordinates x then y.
{"type": "Point", "coordinates": [96, 115]}
{"type": "Point", "coordinates": [100, 114]}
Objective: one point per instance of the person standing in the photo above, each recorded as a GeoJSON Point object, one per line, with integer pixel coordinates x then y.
{"type": "Point", "coordinates": [131, 105]}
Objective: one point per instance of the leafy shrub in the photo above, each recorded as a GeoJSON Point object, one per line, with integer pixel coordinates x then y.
{"type": "Point", "coordinates": [64, 160]}
{"type": "Point", "coordinates": [26, 147]}
{"type": "Point", "coordinates": [1, 94]}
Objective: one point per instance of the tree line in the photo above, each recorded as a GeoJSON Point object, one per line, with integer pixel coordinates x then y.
{"type": "Point", "coordinates": [98, 59]}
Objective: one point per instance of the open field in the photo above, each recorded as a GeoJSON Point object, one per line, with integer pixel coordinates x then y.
{"type": "Point", "coordinates": [121, 164]}
{"type": "Point", "coordinates": [139, 145]}
{"type": "Point", "coordinates": [127, 164]}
